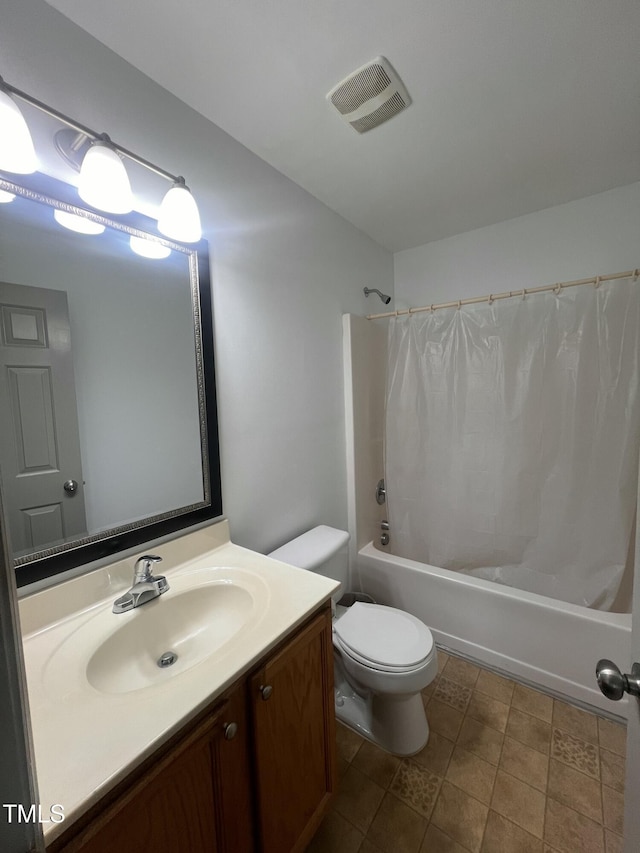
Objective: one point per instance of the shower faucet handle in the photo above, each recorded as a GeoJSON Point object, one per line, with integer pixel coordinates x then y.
{"type": "Point", "coordinates": [384, 536]}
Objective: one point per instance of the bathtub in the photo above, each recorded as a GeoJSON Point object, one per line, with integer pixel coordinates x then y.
{"type": "Point", "coordinates": [537, 640]}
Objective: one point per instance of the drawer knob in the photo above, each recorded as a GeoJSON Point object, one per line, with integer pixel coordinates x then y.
{"type": "Point", "coordinates": [230, 730]}
{"type": "Point", "coordinates": [265, 691]}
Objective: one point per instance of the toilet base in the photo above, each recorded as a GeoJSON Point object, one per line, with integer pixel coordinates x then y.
{"type": "Point", "coordinates": [397, 724]}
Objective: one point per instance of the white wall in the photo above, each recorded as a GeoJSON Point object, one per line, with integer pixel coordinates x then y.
{"type": "Point", "coordinates": [592, 236]}
{"type": "Point", "coordinates": [285, 268]}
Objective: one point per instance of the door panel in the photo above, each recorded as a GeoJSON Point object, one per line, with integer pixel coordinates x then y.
{"type": "Point", "coordinates": [42, 524]}
{"type": "Point", "coordinates": [23, 326]}
{"type": "Point", "coordinates": [31, 401]}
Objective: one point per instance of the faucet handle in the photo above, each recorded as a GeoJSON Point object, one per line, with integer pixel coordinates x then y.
{"type": "Point", "coordinates": [143, 567]}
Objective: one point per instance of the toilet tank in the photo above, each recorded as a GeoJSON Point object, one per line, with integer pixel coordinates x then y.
{"type": "Point", "coordinates": [323, 550]}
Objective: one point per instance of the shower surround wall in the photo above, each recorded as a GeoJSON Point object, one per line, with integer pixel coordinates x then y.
{"type": "Point", "coordinates": [365, 365]}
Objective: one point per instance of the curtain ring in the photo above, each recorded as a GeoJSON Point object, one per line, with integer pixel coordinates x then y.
{"type": "Point", "coordinates": [524, 293]}
{"type": "Point", "coordinates": [636, 273]}
{"type": "Point", "coordinates": [490, 299]}
{"type": "Point", "coordinates": [459, 304]}
{"type": "Point", "coordinates": [431, 308]}
{"type": "Point", "coordinates": [557, 289]}
{"type": "Point", "coordinates": [596, 283]}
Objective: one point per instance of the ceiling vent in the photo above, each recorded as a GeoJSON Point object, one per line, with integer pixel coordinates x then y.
{"type": "Point", "coordinates": [370, 96]}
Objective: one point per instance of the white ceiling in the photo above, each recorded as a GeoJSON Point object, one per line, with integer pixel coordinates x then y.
{"type": "Point", "coordinates": [518, 105]}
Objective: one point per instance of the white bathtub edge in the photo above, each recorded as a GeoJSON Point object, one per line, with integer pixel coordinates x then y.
{"type": "Point", "coordinates": [535, 640]}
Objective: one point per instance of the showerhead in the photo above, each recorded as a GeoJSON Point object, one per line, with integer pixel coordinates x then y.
{"type": "Point", "coordinates": [386, 299]}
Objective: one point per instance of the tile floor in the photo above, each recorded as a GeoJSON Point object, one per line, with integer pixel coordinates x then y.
{"type": "Point", "coordinates": [507, 770]}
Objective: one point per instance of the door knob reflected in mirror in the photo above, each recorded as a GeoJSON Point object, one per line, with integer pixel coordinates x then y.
{"type": "Point", "coordinates": [613, 683]}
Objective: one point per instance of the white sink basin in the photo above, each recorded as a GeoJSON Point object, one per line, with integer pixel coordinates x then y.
{"type": "Point", "coordinates": [191, 625]}
{"type": "Point", "coordinates": [196, 619]}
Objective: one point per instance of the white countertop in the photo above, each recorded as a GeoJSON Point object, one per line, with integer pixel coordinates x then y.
{"type": "Point", "coordinates": [86, 741]}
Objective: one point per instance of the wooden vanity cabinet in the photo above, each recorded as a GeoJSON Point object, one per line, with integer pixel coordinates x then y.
{"type": "Point", "coordinates": [253, 773]}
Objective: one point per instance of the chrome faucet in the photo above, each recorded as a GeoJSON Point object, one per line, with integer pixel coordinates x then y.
{"type": "Point", "coordinates": [146, 586]}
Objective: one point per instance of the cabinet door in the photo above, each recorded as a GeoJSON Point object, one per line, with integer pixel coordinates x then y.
{"type": "Point", "coordinates": [196, 798]}
{"type": "Point", "coordinates": [294, 727]}
{"type": "Point", "coordinates": [230, 746]}
{"type": "Point", "coordinates": [169, 808]}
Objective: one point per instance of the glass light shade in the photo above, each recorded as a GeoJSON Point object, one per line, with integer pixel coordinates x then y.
{"type": "Point", "coordinates": [16, 146]}
{"type": "Point", "coordinates": [149, 248]}
{"type": "Point", "coordinates": [6, 197]}
{"type": "Point", "coordinates": [179, 217]}
{"type": "Point", "coordinates": [104, 182]}
{"type": "Point", "coordinates": [77, 223]}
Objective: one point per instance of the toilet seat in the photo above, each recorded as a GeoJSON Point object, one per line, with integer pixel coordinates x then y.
{"type": "Point", "coordinates": [383, 638]}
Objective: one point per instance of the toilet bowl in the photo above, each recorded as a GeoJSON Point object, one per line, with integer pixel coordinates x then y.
{"type": "Point", "coordinates": [384, 657]}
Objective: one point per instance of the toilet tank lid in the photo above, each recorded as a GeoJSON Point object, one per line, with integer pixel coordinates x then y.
{"type": "Point", "coordinates": [312, 548]}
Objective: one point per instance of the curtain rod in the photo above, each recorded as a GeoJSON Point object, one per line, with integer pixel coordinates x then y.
{"type": "Point", "coordinates": [525, 291]}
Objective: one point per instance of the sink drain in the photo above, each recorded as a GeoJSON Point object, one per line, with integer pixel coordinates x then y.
{"type": "Point", "coordinates": [167, 659]}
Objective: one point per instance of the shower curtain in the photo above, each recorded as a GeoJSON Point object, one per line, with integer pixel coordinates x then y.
{"type": "Point", "coordinates": [512, 431]}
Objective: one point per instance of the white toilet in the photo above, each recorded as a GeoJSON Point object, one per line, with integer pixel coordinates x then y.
{"type": "Point", "coordinates": [383, 656]}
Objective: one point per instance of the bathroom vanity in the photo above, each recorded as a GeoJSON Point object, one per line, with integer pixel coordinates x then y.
{"type": "Point", "coordinates": [233, 751]}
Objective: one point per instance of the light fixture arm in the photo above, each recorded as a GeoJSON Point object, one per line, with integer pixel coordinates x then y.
{"type": "Point", "coordinates": [87, 131]}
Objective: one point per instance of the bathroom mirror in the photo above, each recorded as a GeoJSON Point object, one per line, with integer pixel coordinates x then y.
{"type": "Point", "coordinates": [108, 426]}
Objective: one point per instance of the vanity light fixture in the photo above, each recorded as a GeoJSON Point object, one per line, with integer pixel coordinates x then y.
{"type": "Point", "coordinates": [179, 217]}
{"type": "Point", "coordinates": [104, 183]}
{"type": "Point", "coordinates": [80, 224]}
{"type": "Point", "coordinates": [148, 248]}
{"type": "Point", "coordinates": [17, 153]}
